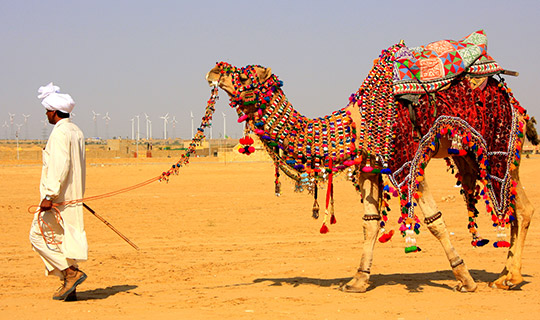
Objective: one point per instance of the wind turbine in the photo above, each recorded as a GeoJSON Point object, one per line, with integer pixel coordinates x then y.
{"type": "Point", "coordinates": [150, 126]}
{"type": "Point", "coordinates": [107, 119]}
{"type": "Point", "coordinates": [174, 122]}
{"type": "Point", "coordinates": [44, 129]}
{"type": "Point", "coordinates": [96, 115]}
{"type": "Point", "coordinates": [224, 125]}
{"type": "Point", "coordinates": [165, 120]}
{"type": "Point", "coordinates": [132, 128]}
{"type": "Point", "coordinates": [26, 116]}
{"type": "Point", "coordinates": [192, 134]}
{"type": "Point", "coordinates": [17, 137]}
{"type": "Point", "coordinates": [138, 127]}
{"type": "Point", "coordinates": [138, 133]}
{"type": "Point", "coordinates": [147, 126]}
{"type": "Point", "coordinates": [6, 126]}
{"type": "Point", "coordinates": [11, 117]}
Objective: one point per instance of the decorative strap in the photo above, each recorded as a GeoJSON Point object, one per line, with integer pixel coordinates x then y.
{"type": "Point", "coordinates": [456, 263]}
{"type": "Point", "coordinates": [364, 271]}
{"type": "Point", "coordinates": [369, 217]}
{"type": "Point", "coordinates": [432, 219]}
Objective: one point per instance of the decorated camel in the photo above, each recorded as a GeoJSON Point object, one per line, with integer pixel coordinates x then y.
{"type": "Point", "coordinates": [439, 100]}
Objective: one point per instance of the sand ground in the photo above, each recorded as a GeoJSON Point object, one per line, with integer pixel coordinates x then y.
{"type": "Point", "coordinates": [216, 243]}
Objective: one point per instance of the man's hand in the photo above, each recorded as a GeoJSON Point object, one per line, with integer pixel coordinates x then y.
{"type": "Point", "coordinates": [45, 205]}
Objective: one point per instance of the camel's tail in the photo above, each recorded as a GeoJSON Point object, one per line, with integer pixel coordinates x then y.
{"type": "Point", "coordinates": [531, 133]}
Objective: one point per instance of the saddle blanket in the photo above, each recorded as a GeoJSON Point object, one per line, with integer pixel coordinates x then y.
{"type": "Point", "coordinates": [428, 68]}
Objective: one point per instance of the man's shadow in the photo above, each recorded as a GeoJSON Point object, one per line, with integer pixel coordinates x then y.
{"type": "Point", "coordinates": [98, 294]}
{"type": "Point", "coordinates": [414, 282]}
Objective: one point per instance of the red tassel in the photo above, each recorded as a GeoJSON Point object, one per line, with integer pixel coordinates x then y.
{"type": "Point", "coordinates": [333, 219]}
{"type": "Point", "coordinates": [386, 236]}
{"type": "Point", "coordinates": [501, 244]}
{"type": "Point", "coordinates": [324, 229]}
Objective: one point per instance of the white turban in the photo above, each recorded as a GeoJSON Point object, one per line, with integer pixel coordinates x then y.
{"type": "Point", "coordinates": [53, 100]}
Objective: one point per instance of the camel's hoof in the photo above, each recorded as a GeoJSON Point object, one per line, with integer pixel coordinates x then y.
{"type": "Point", "coordinates": [496, 285]}
{"type": "Point", "coordinates": [462, 288]}
{"type": "Point", "coordinates": [350, 289]}
{"type": "Point", "coordinates": [508, 283]}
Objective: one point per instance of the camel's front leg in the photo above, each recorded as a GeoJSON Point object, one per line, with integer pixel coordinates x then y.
{"type": "Point", "coordinates": [371, 191]}
{"type": "Point", "coordinates": [436, 225]}
{"type": "Point", "coordinates": [511, 274]}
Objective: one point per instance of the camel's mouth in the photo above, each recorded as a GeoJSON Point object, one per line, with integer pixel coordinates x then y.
{"type": "Point", "coordinates": [211, 82]}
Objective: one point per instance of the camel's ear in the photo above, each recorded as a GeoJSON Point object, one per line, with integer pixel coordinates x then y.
{"type": "Point", "coordinates": [265, 74]}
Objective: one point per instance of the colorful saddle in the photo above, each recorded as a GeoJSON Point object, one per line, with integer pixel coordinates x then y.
{"type": "Point", "coordinates": [431, 67]}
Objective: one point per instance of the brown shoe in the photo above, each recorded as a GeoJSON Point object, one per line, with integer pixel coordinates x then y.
{"type": "Point", "coordinates": [72, 278]}
{"type": "Point", "coordinates": [72, 296]}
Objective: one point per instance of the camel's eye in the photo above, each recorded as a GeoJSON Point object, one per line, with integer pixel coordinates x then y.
{"type": "Point", "coordinates": [243, 77]}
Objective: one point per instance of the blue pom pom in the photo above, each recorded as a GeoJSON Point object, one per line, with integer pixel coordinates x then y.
{"type": "Point", "coordinates": [386, 187]}
{"type": "Point", "coordinates": [481, 243]}
{"type": "Point", "coordinates": [386, 171]}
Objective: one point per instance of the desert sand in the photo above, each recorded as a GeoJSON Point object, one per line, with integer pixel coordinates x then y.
{"type": "Point", "coordinates": [216, 243]}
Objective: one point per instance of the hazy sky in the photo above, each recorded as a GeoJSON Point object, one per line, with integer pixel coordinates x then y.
{"type": "Point", "coordinates": [131, 57]}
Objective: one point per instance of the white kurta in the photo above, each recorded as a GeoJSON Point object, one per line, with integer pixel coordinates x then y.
{"type": "Point", "coordinates": [62, 178]}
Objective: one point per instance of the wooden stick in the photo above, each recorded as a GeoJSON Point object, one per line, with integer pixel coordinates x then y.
{"type": "Point", "coordinates": [110, 226]}
{"type": "Point", "coordinates": [511, 73]}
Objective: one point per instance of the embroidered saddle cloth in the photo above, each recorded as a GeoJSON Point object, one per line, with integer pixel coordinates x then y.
{"type": "Point", "coordinates": [428, 68]}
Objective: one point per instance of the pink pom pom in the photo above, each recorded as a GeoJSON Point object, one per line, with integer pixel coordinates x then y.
{"type": "Point", "coordinates": [348, 163]}
{"type": "Point", "coordinates": [367, 169]}
{"type": "Point", "coordinates": [242, 118]}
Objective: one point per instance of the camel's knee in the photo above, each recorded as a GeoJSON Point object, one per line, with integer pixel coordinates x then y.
{"type": "Point", "coordinates": [524, 217]}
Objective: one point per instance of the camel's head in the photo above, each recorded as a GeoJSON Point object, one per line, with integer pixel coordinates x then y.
{"type": "Point", "coordinates": [247, 87]}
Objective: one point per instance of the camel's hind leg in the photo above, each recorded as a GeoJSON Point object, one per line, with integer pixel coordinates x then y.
{"type": "Point", "coordinates": [511, 274]}
{"type": "Point", "coordinates": [371, 192]}
{"type": "Point", "coordinates": [436, 225]}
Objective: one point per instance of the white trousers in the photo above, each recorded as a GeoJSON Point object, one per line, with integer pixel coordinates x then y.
{"type": "Point", "coordinates": [51, 254]}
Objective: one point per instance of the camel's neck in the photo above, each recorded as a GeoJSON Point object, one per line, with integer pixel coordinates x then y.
{"type": "Point", "coordinates": [279, 121]}
{"type": "Point", "coordinates": [301, 143]}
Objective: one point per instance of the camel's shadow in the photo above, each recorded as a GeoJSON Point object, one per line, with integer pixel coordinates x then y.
{"type": "Point", "coordinates": [414, 282]}
{"type": "Point", "coordinates": [103, 293]}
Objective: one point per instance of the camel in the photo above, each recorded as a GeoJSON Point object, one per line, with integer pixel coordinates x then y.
{"type": "Point", "coordinates": [381, 134]}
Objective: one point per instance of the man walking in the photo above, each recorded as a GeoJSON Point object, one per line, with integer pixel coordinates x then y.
{"type": "Point", "coordinates": [57, 232]}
